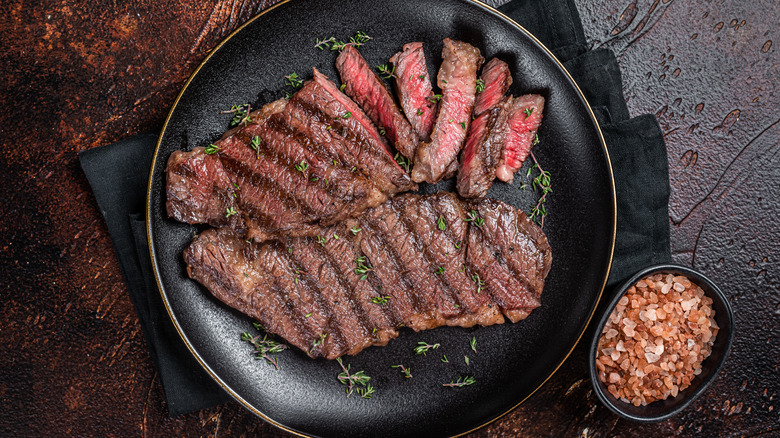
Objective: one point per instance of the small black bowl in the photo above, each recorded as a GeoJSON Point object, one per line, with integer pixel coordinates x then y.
{"type": "Point", "coordinates": [664, 409]}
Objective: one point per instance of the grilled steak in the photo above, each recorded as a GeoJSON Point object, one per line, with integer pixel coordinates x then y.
{"type": "Point", "coordinates": [414, 89]}
{"type": "Point", "coordinates": [457, 79]}
{"type": "Point", "coordinates": [309, 162]}
{"type": "Point", "coordinates": [524, 118]}
{"type": "Point", "coordinates": [496, 79]}
{"type": "Point", "coordinates": [333, 296]}
{"type": "Point", "coordinates": [371, 93]}
{"type": "Point", "coordinates": [479, 159]}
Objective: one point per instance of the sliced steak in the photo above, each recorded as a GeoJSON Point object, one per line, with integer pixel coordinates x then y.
{"type": "Point", "coordinates": [524, 118]}
{"type": "Point", "coordinates": [479, 159]}
{"type": "Point", "coordinates": [457, 79]}
{"type": "Point", "coordinates": [371, 93]}
{"type": "Point", "coordinates": [299, 165]}
{"type": "Point", "coordinates": [397, 265]}
{"type": "Point", "coordinates": [511, 255]}
{"type": "Point", "coordinates": [414, 89]}
{"type": "Point", "coordinates": [496, 79]}
{"type": "Point", "coordinates": [198, 189]}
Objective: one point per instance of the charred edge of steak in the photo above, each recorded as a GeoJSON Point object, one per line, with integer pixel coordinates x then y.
{"type": "Point", "coordinates": [371, 93]}
{"type": "Point", "coordinates": [414, 89]}
{"type": "Point", "coordinates": [345, 291]}
{"type": "Point", "coordinates": [457, 79]}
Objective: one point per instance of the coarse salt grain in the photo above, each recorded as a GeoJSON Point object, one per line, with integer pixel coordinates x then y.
{"type": "Point", "coordinates": [655, 340]}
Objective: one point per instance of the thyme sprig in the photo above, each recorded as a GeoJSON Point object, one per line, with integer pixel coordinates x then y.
{"type": "Point", "coordinates": [423, 347]}
{"type": "Point", "coordinates": [230, 212]}
{"type": "Point", "coordinates": [441, 224]}
{"type": "Point", "coordinates": [386, 71]}
{"type": "Point", "coordinates": [479, 282]}
{"type": "Point", "coordinates": [362, 268]}
{"type": "Point", "coordinates": [355, 381]}
{"type": "Point", "coordinates": [240, 114]}
{"type": "Point", "coordinates": [474, 218]}
{"type": "Point", "coordinates": [543, 183]}
{"type": "Point", "coordinates": [355, 230]}
{"type": "Point", "coordinates": [211, 149]}
{"type": "Point", "coordinates": [331, 43]}
{"type": "Point", "coordinates": [302, 166]}
{"type": "Point", "coordinates": [293, 80]}
{"type": "Point", "coordinates": [480, 87]}
{"type": "Point", "coordinates": [265, 345]}
{"type": "Point", "coordinates": [381, 300]}
{"type": "Point", "coordinates": [461, 382]}
{"type": "Point", "coordinates": [317, 343]}
{"type": "Point", "coordinates": [435, 98]}
{"type": "Point", "coordinates": [407, 372]}
{"type": "Point", "coordinates": [402, 161]}
{"type": "Point", "coordinates": [528, 111]}
{"type": "Point", "coordinates": [322, 240]}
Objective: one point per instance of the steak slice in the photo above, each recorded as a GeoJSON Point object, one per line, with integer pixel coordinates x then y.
{"type": "Point", "coordinates": [300, 165]}
{"type": "Point", "coordinates": [479, 159]}
{"type": "Point", "coordinates": [457, 79]}
{"type": "Point", "coordinates": [371, 93]}
{"type": "Point", "coordinates": [496, 79]}
{"type": "Point", "coordinates": [524, 118]}
{"type": "Point", "coordinates": [414, 89]}
{"type": "Point", "coordinates": [397, 265]}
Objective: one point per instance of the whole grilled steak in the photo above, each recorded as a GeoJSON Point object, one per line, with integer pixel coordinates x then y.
{"type": "Point", "coordinates": [457, 79]}
{"type": "Point", "coordinates": [415, 261]}
{"type": "Point", "coordinates": [484, 145]}
{"type": "Point", "coordinates": [523, 119]}
{"type": "Point", "coordinates": [371, 93]}
{"type": "Point", "coordinates": [414, 89]}
{"type": "Point", "coordinates": [496, 80]}
{"type": "Point", "coordinates": [308, 162]}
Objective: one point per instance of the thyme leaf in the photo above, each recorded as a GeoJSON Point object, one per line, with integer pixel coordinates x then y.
{"type": "Point", "coordinates": [211, 149]}
{"type": "Point", "coordinates": [441, 224]}
{"type": "Point", "coordinates": [230, 212]}
{"type": "Point", "coordinates": [480, 86]}
{"type": "Point", "coordinates": [402, 161]}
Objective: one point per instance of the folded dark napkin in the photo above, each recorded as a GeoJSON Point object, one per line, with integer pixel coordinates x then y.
{"type": "Point", "coordinates": [118, 175]}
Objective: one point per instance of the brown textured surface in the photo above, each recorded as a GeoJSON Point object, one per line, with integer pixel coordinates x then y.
{"type": "Point", "coordinates": [75, 76]}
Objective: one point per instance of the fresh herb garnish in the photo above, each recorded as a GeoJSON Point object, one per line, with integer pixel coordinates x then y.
{"type": "Point", "coordinates": [435, 98]}
{"type": "Point", "coordinates": [419, 111]}
{"type": "Point", "coordinates": [441, 224]}
{"type": "Point", "coordinates": [342, 87]}
{"type": "Point", "coordinates": [440, 270]}
{"type": "Point", "coordinates": [230, 211]}
{"type": "Point", "coordinates": [293, 80]}
{"type": "Point", "coordinates": [473, 343]}
{"type": "Point", "coordinates": [358, 40]}
{"type": "Point", "coordinates": [211, 149]}
{"type": "Point", "coordinates": [308, 315]}
{"type": "Point", "coordinates": [382, 130]}
{"type": "Point", "coordinates": [463, 125]}
{"type": "Point", "coordinates": [528, 111]}
{"type": "Point", "coordinates": [457, 244]}
{"type": "Point", "coordinates": [355, 380]}
{"type": "Point", "coordinates": [444, 359]}
{"type": "Point", "coordinates": [407, 372]}
{"type": "Point", "coordinates": [347, 115]}
{"type": "Point", "coordinates": [322, 240]}
{"type": "Point", "coordinates": [480, 86]}
{"type": "Point", "coordinates": [423, 347]}
{"type": "Point", "coordinates": [461, 382]}
{"type": "Point", "coordinates": [479, 282]}
{"type": "Point", "coordinates": [466, 359]}
{"type": "Point", "coordinates": [240, 114]}
{"type": "Point", "coordinates": [381, 300]}
{"type": "Point", "coordinates": [475, 219]}
{"type": "Point", "coordinates": [264, 344]}
{"type": "Point", "coordinates": [402, 161]}
{"type": "Point", "coordinates": [317, 343]}
{"type": "Point", "coordinates": [536, 139]}
{"type": "Point", "coordinates": [355, 230]}
{"type": "Point", "coordinates": [302, 166]}
{"type": "Point", "coordinates": [542, 181]}
{"type": "Point", "coordinates": [386, 71]}
{"type": "Point", "coordinates": [362, 268]}
{"type": "Point", "coordinates": [256, 141]}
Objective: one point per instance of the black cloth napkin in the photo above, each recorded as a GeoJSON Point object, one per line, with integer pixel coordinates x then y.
{"type": "Point", "coordinates": [118, 175]}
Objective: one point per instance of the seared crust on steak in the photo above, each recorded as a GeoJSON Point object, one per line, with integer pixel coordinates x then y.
{"type": "Point", "coordinates": [415, 274]}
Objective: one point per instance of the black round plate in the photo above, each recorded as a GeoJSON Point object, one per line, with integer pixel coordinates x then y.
{"type": "Point", "coordinates": [512, 360]}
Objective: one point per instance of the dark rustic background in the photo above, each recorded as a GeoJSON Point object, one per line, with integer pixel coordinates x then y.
{"type": "Point", "coordinates": [77, 75]}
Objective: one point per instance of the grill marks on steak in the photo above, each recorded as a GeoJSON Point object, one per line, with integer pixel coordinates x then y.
{"type": "Point", "coordinates": [497, 79]}
{"type": "Point", "coordinates": [414, 89]}
{"type": "Point", "coordinates": [319, 161]}
{"type": "Point", "coordinates": [524, 118]}
{"type": "Point", "coordinates": [371, 93]}
{"type": "Point", "coordinates": [457, 79]}
{"type": "Point", "coordinates": [280, 282]}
